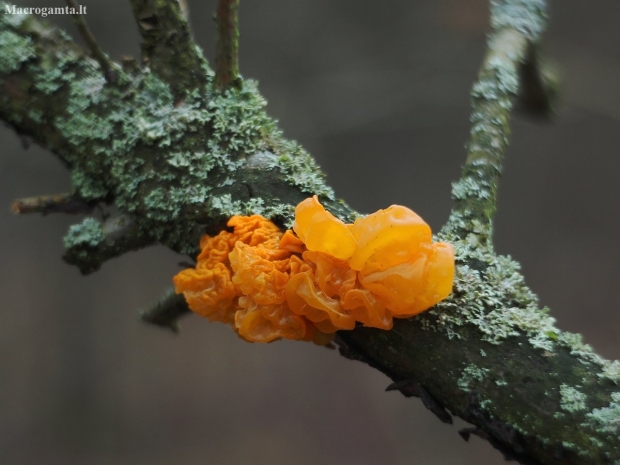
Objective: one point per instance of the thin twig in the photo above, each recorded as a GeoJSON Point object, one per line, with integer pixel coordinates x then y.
{"type": "Point", "coordinates": [106, 65]}
{"type": "Point", "coordinates": [517, 25]}
{"type": "Point", "coordinates": [227, 48]}
{"type": "Point", "coordinates": [168, 48]}
{"type": "Point", "coordinates": [57, 203]}
{"type": "Point", "coordinates": [166, 311]}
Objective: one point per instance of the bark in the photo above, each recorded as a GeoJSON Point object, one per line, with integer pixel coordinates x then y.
{"type": "Point", "coordinates": [179, 154]}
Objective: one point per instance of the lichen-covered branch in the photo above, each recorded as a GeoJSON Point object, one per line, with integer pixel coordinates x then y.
{"type": "Point", "coordinates": [178, 158]}
{"type": "Point", "coordinates": [517, 25]}
{"type": "Point", "coordinates": [90, 243]}
{"type": "Point", "coordinates": [176, 169]}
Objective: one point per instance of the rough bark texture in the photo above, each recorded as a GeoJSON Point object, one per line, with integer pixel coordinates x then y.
{"type": "Point", "coordinates": [178, 157]}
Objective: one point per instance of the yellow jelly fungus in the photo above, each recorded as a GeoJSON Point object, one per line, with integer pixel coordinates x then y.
{"type": "Point", "coordinates": [388, 237]}
{"type": "Point", "coordinates": [321, 231]}
{"type": "Point", "coordinates": [324, 277]}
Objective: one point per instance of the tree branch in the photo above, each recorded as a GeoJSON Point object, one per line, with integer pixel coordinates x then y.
{"type": "Point", "coordinates": [517, 26]}
{"type": "Point", "coordinates": [167, 46]}
{"type": "Point", "coordinates": [108, 70]}
{"type": "Point", "coordinates": [91, 243]}
{"type": "Point", "coordinates": [58, 203]}
{"type": "Point", "coordinates": [227, 53]}
{"type": "Point", "coordinates": [167, 311]}
{"type": "Point", "coordinates": [177, 168]}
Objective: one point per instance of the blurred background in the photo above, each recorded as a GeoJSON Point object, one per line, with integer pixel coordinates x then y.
{"type": "Point", "coordinates": [378, 92]}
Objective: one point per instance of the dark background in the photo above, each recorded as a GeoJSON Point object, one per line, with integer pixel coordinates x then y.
{"type": "Point", "coordinates": [378, 92]}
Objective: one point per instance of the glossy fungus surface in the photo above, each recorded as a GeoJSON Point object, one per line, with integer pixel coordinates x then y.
{"type": "Point", "coordinates": [321, 277]}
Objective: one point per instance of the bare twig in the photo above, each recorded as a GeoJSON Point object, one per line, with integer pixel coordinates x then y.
{"type": "Point", "coordinates": [106, 65]}
{"type": "Point", "coordinates": [167, 311]}
{"type": "Point", "coordinates": [58, 203]}
{"type": "Point", "coordinates": [227, 52]}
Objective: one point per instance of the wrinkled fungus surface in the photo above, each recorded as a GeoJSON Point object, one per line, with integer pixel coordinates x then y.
{"type": "Point", "coordinates": [321, 277]}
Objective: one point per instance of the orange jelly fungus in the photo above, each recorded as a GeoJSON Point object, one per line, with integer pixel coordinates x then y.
{"type": "Point", "coordinates": [324, 277]}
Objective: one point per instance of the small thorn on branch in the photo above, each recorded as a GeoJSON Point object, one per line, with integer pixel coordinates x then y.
{"type": "Point", "coordinates": [183, 5]}
{"type": "Point", "coordinates": [411, 388]}
{"type": "Point", "coordinates": [227, 47]}
{"type": "Point", "coordinates": [539, 86]}
{"type": "Point", "coordinates": [58, 203]}
{"type": "Point", "coordinates": [26, 141]}
{"type": "Point", "coordinates": [166, 311]}
{"type": "Point", "coordinates": [465, 433]}
{"type": "Point", "coordinates": [110, 73]}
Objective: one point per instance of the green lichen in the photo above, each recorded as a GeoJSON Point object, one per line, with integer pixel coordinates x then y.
{"type": "Point", "coordinates": [576, 347]}
{"type": "Point", "coordinates": [233, 126]}
{"type": "Point", "coordinates": [300, 169]}
{"type": "Point", "coordinates": [611, 371]}
{"type": "Point", "coordinates": [606, 420]}
{"type": "Point", "coordinates": [471, 373]}
{"type": "Point", "coordinates": [570, 446]}
{"type": "Point", "coordinates": [256, 206]}
{"type": "Point", "coordinates": [180, 167]}
{"type": "Point", "coordinates": [468, 188]}
{"type": "Point", "coordinates": [239, 120]}
{"type": "Point", "coordinates": [88, 233]}
{"type": "Point", "coordinates": [490, 294]}
{"type": "Point", "coordinates": [16, 50]}
{"type": "Point", "coordinates": [53, 71]}
{"type": "Point", "coordinates": [506, 78]}
{"type": "Point", "coordinates": [526, 16]}
{"type": "Point", "coordinates": [572, 400]}
{"type": "Point", "coordinates": [50, 81]}
{"type": "Point", "coordinates": [35, 115]}
{"type": "Point", "coordinates": [86, 186]}
{"type": "Point", "coordinates": [15, 20]}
